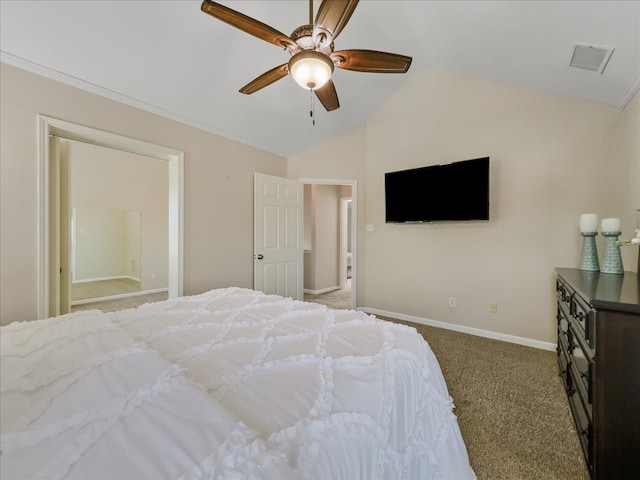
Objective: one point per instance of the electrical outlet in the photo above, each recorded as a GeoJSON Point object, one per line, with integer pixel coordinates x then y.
{"type": "Point", "coordinates": [452, 302]}
{"type": "Point", "coordinates": [493, 307]}
{"type": "Point", "coordinates": [153, 276]}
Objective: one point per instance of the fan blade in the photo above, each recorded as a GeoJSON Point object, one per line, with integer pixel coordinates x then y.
{"type": "Point", "coordinates": [266, 79]}
{"type": "Point", "coordinates": [247, 24]}
{"type": "Point", "coordinates": [328, 96]}
{"type": "Point", "coordinates": [371, 61]}
{"type": "Point", "coordinates": [332, 16]}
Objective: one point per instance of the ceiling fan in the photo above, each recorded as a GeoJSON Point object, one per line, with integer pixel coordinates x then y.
{"type": "Point", "coordinates": [312, 50]}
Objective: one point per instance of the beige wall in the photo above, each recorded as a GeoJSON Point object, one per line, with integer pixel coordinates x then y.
{"type": "Point", "coordinates": [99, 246]}
{"type": "Point", "coordinates": [322, 206]}
{"type": "Point", "coordinates": [552, 159]}
{"type": "Point", "coordinates": [325, 241]}
{"type": "Point", "coordinates": [218, 186]}
{"type": "Point", "coordinates": [547, 153]}
{"type": "Point", "coordinates": [309, 283]}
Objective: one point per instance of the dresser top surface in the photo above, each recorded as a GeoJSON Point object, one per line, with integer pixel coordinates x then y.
{"type": "Point", "coordinates": [605, 290]}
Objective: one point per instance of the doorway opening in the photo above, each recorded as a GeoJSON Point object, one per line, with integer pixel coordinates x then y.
{"type": "Point", "coordinates": [330, 270]}
{"type": "Point", "coordinates": [54, 258]}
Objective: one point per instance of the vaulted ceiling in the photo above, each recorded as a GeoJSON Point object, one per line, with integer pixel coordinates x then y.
{"type": "Point", "coordinates": [169, 58]}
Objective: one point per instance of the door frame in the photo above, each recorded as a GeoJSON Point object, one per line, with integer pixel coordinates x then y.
{"type": "Point", "coordinates": [344, 238]}
{"type": "Point", "coordinates": [49, 126]}
{"type": "Point", "coordinates": [354, 222]}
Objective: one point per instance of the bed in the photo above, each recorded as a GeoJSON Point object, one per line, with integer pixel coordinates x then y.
{"type": "Point", "coordinates": [232, 383]}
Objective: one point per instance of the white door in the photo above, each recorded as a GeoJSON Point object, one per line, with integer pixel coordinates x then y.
{"type": "Point", "coordinates": [278, 236]}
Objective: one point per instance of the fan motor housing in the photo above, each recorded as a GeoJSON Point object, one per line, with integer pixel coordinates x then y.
{"type": "Point", "coordinates": [303, 36]}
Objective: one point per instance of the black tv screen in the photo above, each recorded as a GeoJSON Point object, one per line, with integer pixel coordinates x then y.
{"type": "Point", "coordinates": [449, 192]}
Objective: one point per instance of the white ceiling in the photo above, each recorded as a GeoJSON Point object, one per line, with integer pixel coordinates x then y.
{"type": "Point", "coordinates": [169, 58]}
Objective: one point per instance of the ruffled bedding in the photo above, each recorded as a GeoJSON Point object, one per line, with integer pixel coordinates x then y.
{"type": "Point", "coordinates": [232, 383]}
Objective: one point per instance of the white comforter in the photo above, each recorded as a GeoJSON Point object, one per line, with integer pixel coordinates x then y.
{"type": "Point", "coordinates": [80, 399]}
{"type": "Point", "coordinates": [228, 384]}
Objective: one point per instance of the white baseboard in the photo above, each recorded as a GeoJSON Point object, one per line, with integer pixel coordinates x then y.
{"type": "Point", "coordinates": [527, 342]}
{"type": "Point", "coordinates": [322, 290]}
{"type": "Point", "coordinates": [99, 279]}
{"type": "Point", "coordinates": [116, 297]}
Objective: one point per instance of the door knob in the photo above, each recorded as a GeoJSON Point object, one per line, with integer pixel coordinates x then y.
{"type": "Point", "coordinates": [260, 256]}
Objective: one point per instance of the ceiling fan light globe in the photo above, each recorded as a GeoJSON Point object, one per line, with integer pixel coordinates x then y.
{"type": "Point", "coordinates": [310, 69]}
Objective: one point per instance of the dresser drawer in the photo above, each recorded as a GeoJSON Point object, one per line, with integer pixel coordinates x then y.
{"type": "Point", "coordinates": [583, 422]}
{"type": "Point", "coordinates": [581, 379]}
{"type": "Point", "coordinates": [582, 358]}
{"type": "Point", "coordinates": [583, 317]}
{"type": "Point", "coordinates": [562, 317]}
{"type": "Point", "coordinates": [563, 291]}
{"type": "Point", "coordinates": [563, 362]}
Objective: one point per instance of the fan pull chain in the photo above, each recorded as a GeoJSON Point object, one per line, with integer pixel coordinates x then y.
{"type": "Point", "coordinates": [312, 108]}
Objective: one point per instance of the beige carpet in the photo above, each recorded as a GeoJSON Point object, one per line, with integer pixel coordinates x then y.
{"type": "Point", "coordinates": [103, 288]}
{"type": "Point", "coordinates": [121, 303]}
{"type": "Point", "coordinates": [339, 299]}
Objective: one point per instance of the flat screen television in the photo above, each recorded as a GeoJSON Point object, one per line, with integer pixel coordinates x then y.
{"type": "Point", "coordinates": [437, 193]}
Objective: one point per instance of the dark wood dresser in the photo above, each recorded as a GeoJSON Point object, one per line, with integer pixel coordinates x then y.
{"type": "Point", "coordinates": [598, 318]}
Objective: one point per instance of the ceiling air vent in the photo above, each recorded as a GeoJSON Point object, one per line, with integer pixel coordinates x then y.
{"type": "Point", "coordinates": [589, 57]}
